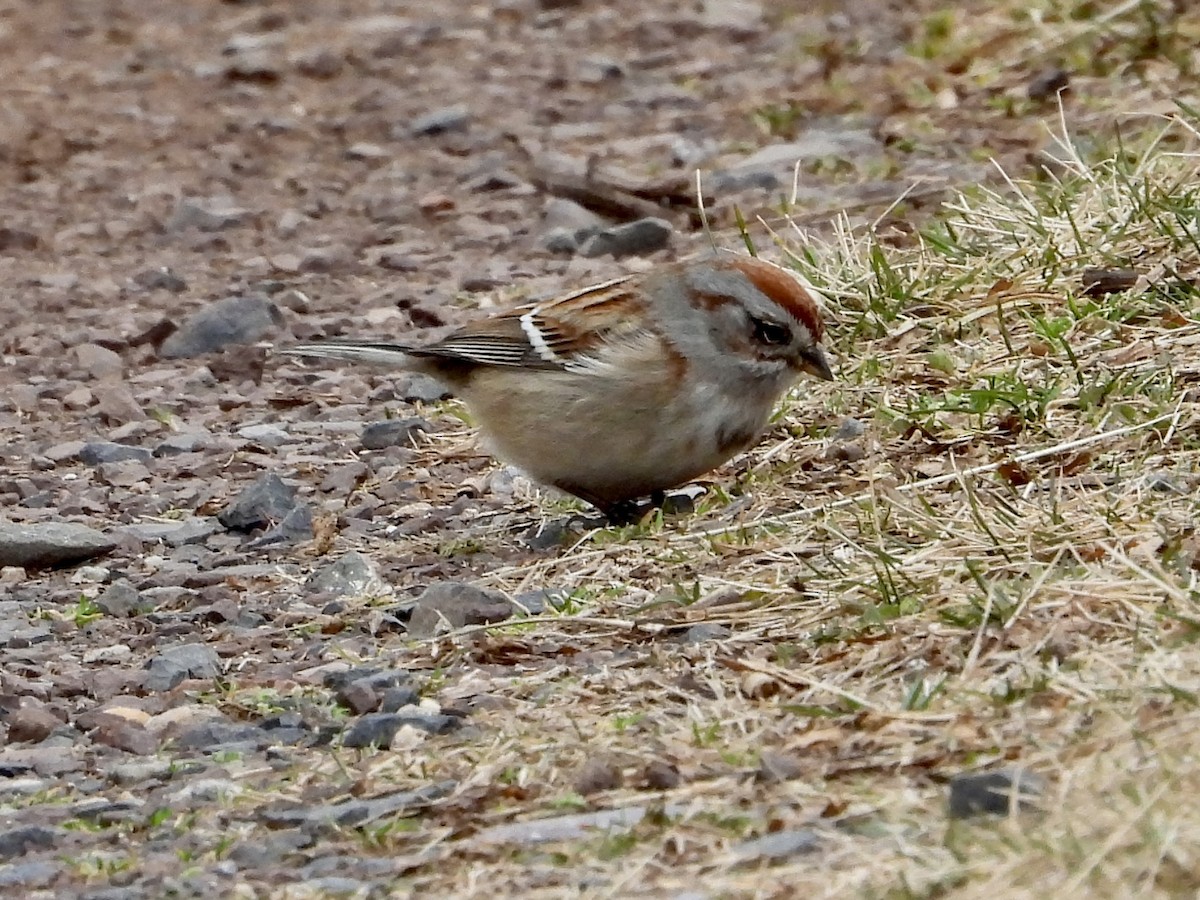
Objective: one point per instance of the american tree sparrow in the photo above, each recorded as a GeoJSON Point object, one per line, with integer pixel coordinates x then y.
{"type": "Point", "coordinates": [626, 388]}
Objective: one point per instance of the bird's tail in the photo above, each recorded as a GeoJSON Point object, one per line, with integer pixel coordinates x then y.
{"type": "Point", "coordinates": [353, 351]}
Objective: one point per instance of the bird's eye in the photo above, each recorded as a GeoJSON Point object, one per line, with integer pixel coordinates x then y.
{"type": "Point", "coordinates": [771, 333]}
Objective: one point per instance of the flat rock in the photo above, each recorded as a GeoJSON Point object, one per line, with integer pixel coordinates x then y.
{"type": "Point", "coordinates": [994, 793]}
{"type": "Point", "coordinates": [234, 320]}
{"type": "Point", "coordinates": [393, 433]}
{"type": "Point", "coordinates": [206, 215]}
{"type": "Point", "coordinates": [174, 664]}
{"type": "Point", "coordinates": [351, 575]}
{"type": "Point", "coordinates": [439, 121]}
{"type": "Point", "coordinates": [631, 239]}
{"type": "Point", "coordinates": [18, 841]}
{"type": "Point", "coordinates": [95, 453]}
{"type": "Point", "coordinates": [263, 504]}
{"type": "Point", "coordinates": [451, 605]}
{"type": "Point", "coordinates": [50, 544]}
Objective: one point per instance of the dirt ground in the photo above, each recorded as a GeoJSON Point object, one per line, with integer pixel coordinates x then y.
{"type": "Point", "coordinates": [373, 168]}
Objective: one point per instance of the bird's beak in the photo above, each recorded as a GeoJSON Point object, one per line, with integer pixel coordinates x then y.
{"type": "Point", "coordinates": [815, 363]}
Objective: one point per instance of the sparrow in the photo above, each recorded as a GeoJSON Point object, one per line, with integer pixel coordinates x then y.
{"type": "Point", "coordinates": [624, 389]}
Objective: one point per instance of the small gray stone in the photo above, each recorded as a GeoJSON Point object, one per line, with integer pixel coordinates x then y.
{"type": "Point", "coordinates": [261, 505]}
{"type": "Point", "coordinates": [393, 433]}
{"type": "Point", "coordinates": [378, 729]}
{"type": "Point", "coordinates": [50, 544]}
{"type": "Point", "coordinates": [995, 793]}
{"type": "Point", "coordinates": [97, 361]}
{"type": "Point", "coordinates": [204, 215]}
{"type": "Point", "coordinates": [704, 632]}
{"type": "Point", "coordinates": [849, 429]}
{"type": "Point", "coordinates": [560, 240]}
{"type": "Point", "coordinates": [364, 150]}
{"type": "Point", "coordinates": [95, 453]}
{"type": "Point", "coordinates": [186, 442]}
{"type": "Point", "coordinates": [424, 389]}
{"type": "Point", "coordinates": [319, 62]}
{"type": "Point", "coordinates": [776, 845]}
{"type": "Point", "coordinates": [733, 181]}
{"type": "Point", "coordinates": [562, 213]}
{"type": "Point", "coordinates": [234, 320]}
{"type": "Point", "coordinates": [597, 69]}
{"type": "Point", "coordinates": [17, 239]}
{"type": "Point", "coordinates": [116, 404]}
{"type": "Point", "coordinates": [160, 279]}
{"type": "Point", "coordinates": [821, 140]}
{"type": "Point", "coordinates": [212, 736]}
{"type": "Point", "coordinates": [31, 723]}
{"type": "Point", "coordinates": [439, 121]}
{"type": "Point", "coordinates": [174, 664]}
{"type": "Point", "coordinates": [1165, 484]}
{"type": "Point", "coordinates": [265, 434]}
{"type": "Point", "coordinates": [64, 451]}
{"type": "Point", "coordinates": [19, 635]}
{"type": "Point", "coordinates": [295, 527]}
{"type": "Point", "coordinates": [396, 698]}
{"type": "Point", "coordinates": [37, 873]}
{"type": "Point", "coordinates": [534, 603]}
{"type": "Point", "coordinates": [352, 575]}
{"type": "Point", "coordinates": [141, 770]}
{"type": "Point", "coordinates": [323, 260]}
{"type": "Point", "coordinates": [493, 180]}
{"type": "Point", "coordinates": [336, 886]}
{"type": "Point", "coordinates": [121, 599]}
{"type": "Point", "coordinates": [634, 238]}
{"type": "Point", "coordinates": [348, 813]}
{"type": "Point", "coordinates": [451, 605]}
{"type": "Point", "coordinates": [193, 530]}
{"type": "Point", "coordinates": [19, 841]}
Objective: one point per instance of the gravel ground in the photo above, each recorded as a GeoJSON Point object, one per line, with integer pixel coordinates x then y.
{"type": "Point", "coordinates": [222, 571]}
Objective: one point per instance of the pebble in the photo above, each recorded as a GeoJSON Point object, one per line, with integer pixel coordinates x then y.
{"type": "Point", "coordinates": [993, 793]}
{"type": "Point", "coordinates": [849, 429]}
{"type": "Point", "coordinates": [438, 121]}
{"type": "Point", "coordinates": [266, 501]}
{"type": "Point", "coordinates": [90, 575]}
{"type": "Point", "coordinates": [140, 771]}
{"type": "Point", "coordinates": [295, 527]}
{"type": "Point", "coordinates": [170, 667]}
{"type": "Point", "coordinates": [234, 320]}
{"type": "Point", "coordinates": [776, 845]}
{"type": "Point", "coordinates": [160, 279]}
{"type": "Point", "coordinates": [319, 62]}
{"type": "Point", "coordinates": [266, 435]}
{"type": "Point", "coordinates": [18, 841]}
{"type": "Point", "coordinates": [378, 729]}
{"type": "Point", "coordinates": [95, 453]}
{"type": "Point", "coordinates": [632, 239]}
{"type": "Point", "coordinates": [423, 389]}
{"type": "Point", "coordinates": [50, 544]}
{"type": "Point", "coordinates": [351, 575]}
{"type": "Point", "coordinates": [120, 599]}
{"type": "Point", "coordinates": [206, 215]}
{"type": "Point", "coordinates": [184, 442]}
{"type": "Point", "coordinates": [116, 404]}
{"type": "Point", "coordinates": [97, 361]}
{"type": "Point", "coordinates": [451, 605]}
{"type": "Point", "coordinates": [36, 873]}
{"type": "Point", "coordinates": [31, 722]}
{"type": "Point", "coordinates": [18, 239]}
{"type": "Point", "coordinates": [393, 433]}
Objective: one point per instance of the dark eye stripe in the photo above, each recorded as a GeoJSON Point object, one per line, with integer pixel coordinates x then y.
{"type": "Point", "coordinates": [771, 333]}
